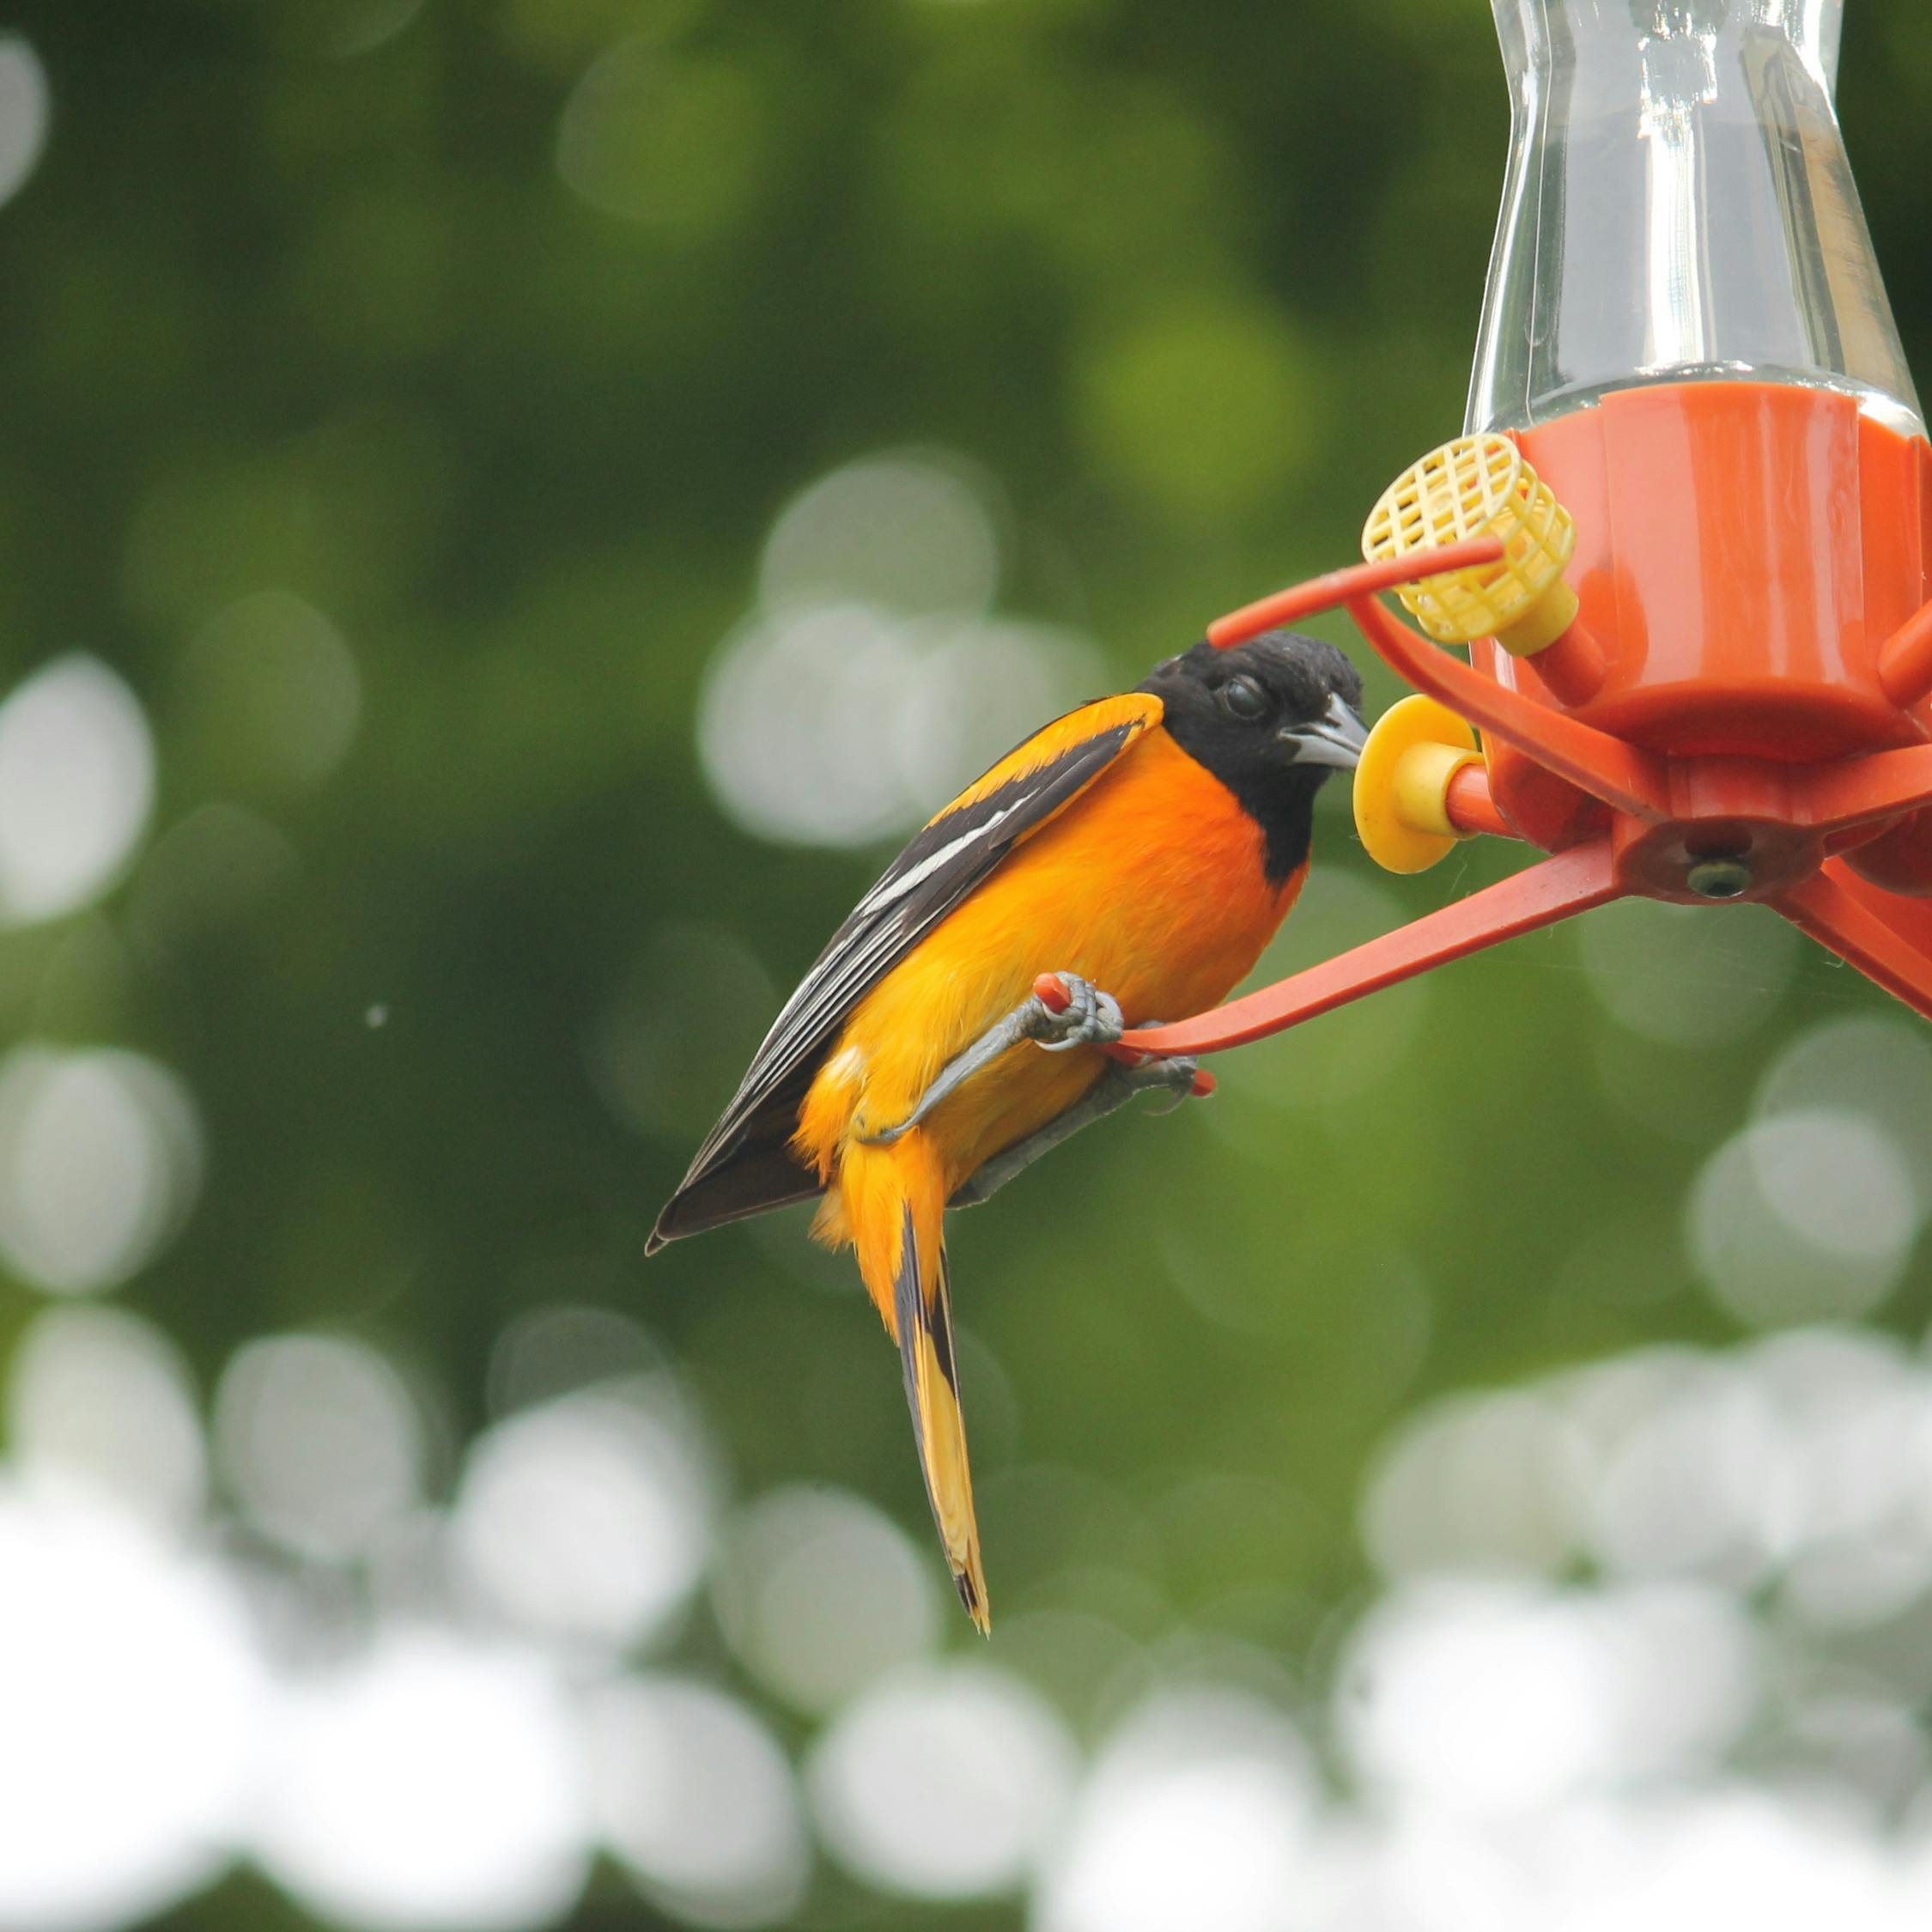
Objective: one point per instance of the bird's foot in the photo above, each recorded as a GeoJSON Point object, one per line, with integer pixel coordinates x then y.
{"type": "Point", "coordinates": [1067, 1010]}
{"type": "Point", "coordinates": [1063, 1011]}
{"type": "Point", "coordinates": [1182, 1076]}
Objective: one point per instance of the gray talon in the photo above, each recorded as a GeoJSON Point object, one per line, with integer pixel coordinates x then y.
{"type": "Point", "coordinates": [1117, 1086]}
{"type": "Point", "coordinates": [1177, 1071]}
{"type": "Point", "coordinates": [1178, 1075]}
{"type": "Point", "coordinates": [1094, 1018]}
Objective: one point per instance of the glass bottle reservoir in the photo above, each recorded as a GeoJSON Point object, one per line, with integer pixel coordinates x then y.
{"type": "Point", "coordinates": [1679, 206]}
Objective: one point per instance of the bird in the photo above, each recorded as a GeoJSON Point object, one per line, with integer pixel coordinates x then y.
{"type": "Point", "coordinates": [1143, 850]}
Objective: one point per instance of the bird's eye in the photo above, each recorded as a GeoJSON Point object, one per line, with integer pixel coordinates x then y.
{"type": "Point", "coordinates": [1242, 697]}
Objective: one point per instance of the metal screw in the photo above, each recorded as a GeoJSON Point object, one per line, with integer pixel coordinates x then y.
{"type": "Point", "coordinates": [1719, 877]}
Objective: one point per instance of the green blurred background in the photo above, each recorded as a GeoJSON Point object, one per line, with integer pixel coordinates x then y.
{"type": "Point", "coordinates": [452, 424]}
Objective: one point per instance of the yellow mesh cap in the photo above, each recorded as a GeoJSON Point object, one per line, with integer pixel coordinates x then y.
{"type": "Point", "coordinates": [1479, 486]}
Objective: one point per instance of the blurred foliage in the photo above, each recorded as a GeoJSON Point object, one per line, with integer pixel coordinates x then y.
{"type": "Point", "coordinates": [500, 331]}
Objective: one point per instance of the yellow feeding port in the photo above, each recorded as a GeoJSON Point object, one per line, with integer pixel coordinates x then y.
{"type": "Point", "coordinates": [1480, 486]}
{"type": "Point", "coordinates": [1402, 783]}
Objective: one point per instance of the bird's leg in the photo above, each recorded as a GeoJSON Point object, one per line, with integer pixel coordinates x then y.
{"type": "Point", "coordinates": [1114, 1089]}
{"type": "Point", "coordinates": [1089, 1018]}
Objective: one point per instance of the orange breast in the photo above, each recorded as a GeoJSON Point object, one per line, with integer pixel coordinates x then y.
{"type": "Point", "coordinates": [1149, 884]}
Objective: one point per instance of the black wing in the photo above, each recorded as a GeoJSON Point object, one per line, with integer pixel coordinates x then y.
{"type": "Point", "coordinates": [745, 1164]}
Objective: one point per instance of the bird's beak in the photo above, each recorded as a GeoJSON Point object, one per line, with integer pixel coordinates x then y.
{"type": "Point", "coordinates": [1335, 738]}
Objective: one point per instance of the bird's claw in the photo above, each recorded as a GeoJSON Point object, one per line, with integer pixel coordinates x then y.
{"type": "Point", "coordinates": [1090, 1017]}
{"type": "Point", "coordinates": [1116, 1087]}
{"type": "Point", "coordinates": [1064, 1010]}
{"type": "Point", "coordinates": [1180, 1073]}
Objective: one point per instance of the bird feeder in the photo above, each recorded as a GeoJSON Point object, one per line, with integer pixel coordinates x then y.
{"type": "Point", "coordinates": [1687, 534]}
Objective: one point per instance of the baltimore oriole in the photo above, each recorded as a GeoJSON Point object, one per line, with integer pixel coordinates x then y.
{"type": "Point", "coordinates": [1145, 847]}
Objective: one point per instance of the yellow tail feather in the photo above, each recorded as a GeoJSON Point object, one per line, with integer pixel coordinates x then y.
{"type": "Point", "coordinates": [896, 1208]}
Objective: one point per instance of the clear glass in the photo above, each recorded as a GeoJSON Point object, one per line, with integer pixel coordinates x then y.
{"type": "Point", "coordinates": [1679, 206]}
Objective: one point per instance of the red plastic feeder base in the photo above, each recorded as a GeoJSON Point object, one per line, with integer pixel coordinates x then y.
{"type": "Point", "coordinates": [1752, 569]}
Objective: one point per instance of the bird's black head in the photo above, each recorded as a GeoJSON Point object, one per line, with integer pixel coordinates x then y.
{"type": "Point", "coordinates": [1271, 719]}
